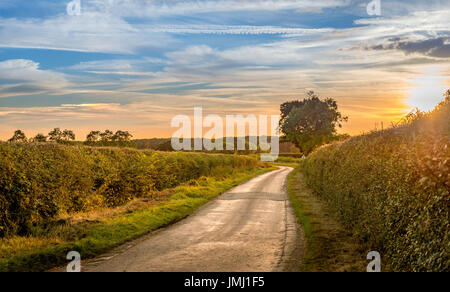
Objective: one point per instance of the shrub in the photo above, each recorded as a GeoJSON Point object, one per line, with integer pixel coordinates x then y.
{"type": "Point", "coordinates": [392, 189]}
{"type": "Point", "coordinates": [41, 181]}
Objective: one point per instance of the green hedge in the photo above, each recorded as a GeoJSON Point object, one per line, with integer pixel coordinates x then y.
{"type": "Point", "coordinates": [291, 155]}
{"type": "Point", "coordinates": [41, 181]}
{"type": "Point", "coordinates": [392, 189]}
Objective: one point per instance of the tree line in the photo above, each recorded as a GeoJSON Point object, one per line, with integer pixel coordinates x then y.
{"type": "Point", "coordinates": [94, 138]}
{"type": "Point", "coordinates": [109, 138]}
{"type": "Point", "coordinates": [56, 135]}
{"type": "Point", "coordinates": [308, 123]}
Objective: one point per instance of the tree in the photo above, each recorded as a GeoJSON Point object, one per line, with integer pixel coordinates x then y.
{"type": "Point", "coordinates": [55, 135]}
{"type": "Point", "coordinates": [18, 137]}
{"type": "Point", "coordinates": [68, 135]}
{"type": "Point", "coordinates": [310, 123]}
{"type": "Point", "coordinates": [40, 138]}
{"type": "Point", "coordinates": [107, 136]}
{"type": "Point", "coordinates": [93, 136]}
{"type": "Point", "coordinates": [61, 136]}
{"type": "Point", "coordinates": [122, 136]}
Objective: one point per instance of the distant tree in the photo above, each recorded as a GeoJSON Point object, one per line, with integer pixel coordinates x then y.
{"type": "Point", "coordinates": [40, 138]}
{"type": "Point", "coordinates": [18, 137]}
{"type": "Point", "coordinates": [55, 135]}
{"type": "Point", "coordinates": [93, 136]}
{"type": "Point", "coordinates": [310, 123]}
{"type": "Point", "coordinates": [107, 136]}
{"type": "Point", "coordinates": [68, 135]}
{"type": "Point", "coordinates": [122, 136]}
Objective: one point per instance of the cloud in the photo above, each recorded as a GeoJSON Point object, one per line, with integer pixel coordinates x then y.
{"type": "Point", "coordinates": [417, 20]}
{"type": "Point", "coordinates": [110, 26]}
{"type": "Point", "coordinates": [206, 62]}
{"type": "Point", "coordinates": [152, 8]}
{"type": "Point", "coordinates": [99, 32]}
{"type": "Point", "coordinates": [105, 25]}
{"type": "Point", "coordinates": [25, 77]}
{"type": "Point", "coordinates": [89, 32]}
{"type": "Point", "coordinates": [435, 47]}
{"type": "Point", "coordinates": [27, 70]}
{"type": "Point", "coordinates": [234, 29]}
{"type": "Point", "coordinates": [129, 67]}
{"type": "Point", "coordinates": [21, 89]}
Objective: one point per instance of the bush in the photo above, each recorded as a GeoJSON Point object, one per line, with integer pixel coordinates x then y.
{"type": "Point", "coordinates": [41, 181]}
{"type": "Point", "coordinates": [392, 189]}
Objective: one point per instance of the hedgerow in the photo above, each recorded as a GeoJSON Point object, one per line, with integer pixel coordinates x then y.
{"type": "Point", "coordinates": [392, 189]}
{"type": "Point", "coordinates": [39, 182]}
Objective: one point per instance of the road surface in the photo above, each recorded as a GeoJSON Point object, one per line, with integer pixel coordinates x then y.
{"type": "Point", "coordinates": [251, 228]}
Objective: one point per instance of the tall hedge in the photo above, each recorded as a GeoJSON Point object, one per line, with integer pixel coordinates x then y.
{"type": "Point", "coordinates": [41, 181]}
{"type": "Point", "coordinates": [392, 190]}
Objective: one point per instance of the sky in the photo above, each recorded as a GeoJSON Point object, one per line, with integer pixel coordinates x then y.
{"type": "Point", "coordinates": [134, 64]}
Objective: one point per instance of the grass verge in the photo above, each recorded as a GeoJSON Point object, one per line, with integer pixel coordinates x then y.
{"type": "Point", "coordinates": [329, 247]}
{"type": "Point", "coordinates": [50, 244]}
{"type": "Point", "coordinates": [289, 164]}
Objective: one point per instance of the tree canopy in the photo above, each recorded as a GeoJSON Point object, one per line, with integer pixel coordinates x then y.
{"type": "Point", "coordinates": [18, 137]}
{"type": "Point", "coordinates": [56, 135]}
{"type": "Point", "coordinates": [109, 138]}
{"type": "Point", "coordinates": [311, 122]}
{"type": "Point", "coordinates": [40, 138]}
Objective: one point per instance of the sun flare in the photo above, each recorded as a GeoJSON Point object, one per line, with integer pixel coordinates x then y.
{"type": "Point", "coordinates": [427, 90]}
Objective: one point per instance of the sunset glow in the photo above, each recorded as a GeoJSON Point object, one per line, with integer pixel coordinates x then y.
{"type": "Point", "coordinates": [427, 91]}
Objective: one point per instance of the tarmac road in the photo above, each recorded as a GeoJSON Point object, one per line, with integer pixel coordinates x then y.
{"type": "Point", "coordinates": [251, 228]}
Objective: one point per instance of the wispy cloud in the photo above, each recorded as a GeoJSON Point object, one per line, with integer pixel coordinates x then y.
{"type": "Point", "coordinates": [89, 32]}
{"type": "Point", "coordinates": [25, 77]}
{"type": "Point", "coordinates": [140, 8]}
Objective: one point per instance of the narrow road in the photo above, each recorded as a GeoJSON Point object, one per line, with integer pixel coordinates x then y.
{"type": "Point", "coordinates": [251, 228]}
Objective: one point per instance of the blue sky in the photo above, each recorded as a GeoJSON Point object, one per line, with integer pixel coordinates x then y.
{"type": "Point", "coordinates": [134, 64]}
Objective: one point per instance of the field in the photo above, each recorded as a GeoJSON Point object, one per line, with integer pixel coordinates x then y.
{"type": "Point", "coordinates": [391, 189]}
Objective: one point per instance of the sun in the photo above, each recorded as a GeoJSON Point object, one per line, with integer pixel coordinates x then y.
{"type": "Point", "coordinates": [427, 90]}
